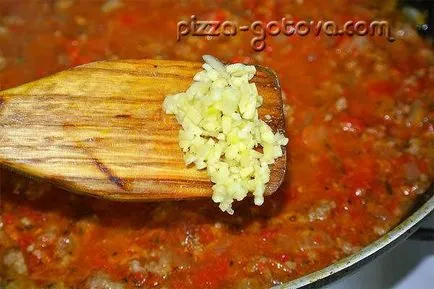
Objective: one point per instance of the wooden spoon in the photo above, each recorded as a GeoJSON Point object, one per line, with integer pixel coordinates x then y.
{"type": "Point", "coordinates": [99, 129]}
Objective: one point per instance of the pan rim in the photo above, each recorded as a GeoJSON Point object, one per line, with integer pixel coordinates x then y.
{"type": "Point", "coordinates": [353, 262]}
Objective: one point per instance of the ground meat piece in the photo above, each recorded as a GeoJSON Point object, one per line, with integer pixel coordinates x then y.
{"type": "Point", "coordinates": [64, 4]}
{"type": "Point", "coordinates": [321, 211]}
{"type": "Point", "coordinates": [101, 281]}
{"type": "Point", "coordinates": [161, 267]}
{"type": "Point", "coordinates": [111, 5]}
{"type": "Point", "coordinates": [414, 146]}
{"type": "Point", "coordinates": [379, 230]}
{"type": "Point", "coordinates": [136, 267]}
{"type": "Point", "coordinates": [412, 172]}
{"type": "Point", "coordinates": [65, 246]}
{"type": "Point", "coordinates": [341, 104]}
{"type": "Point", "coordinates": [26, 222]}
{"type": "Point", "coordinates": [348, 249]}
{"type": "Point", "coordinates": [14, 261]}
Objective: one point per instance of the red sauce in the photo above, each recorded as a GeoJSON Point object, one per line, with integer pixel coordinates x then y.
{"type": "Point", "coordinates": [355, 169]}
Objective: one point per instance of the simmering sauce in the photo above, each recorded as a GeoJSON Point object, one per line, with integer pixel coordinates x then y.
{"type": "Point", "coordinates": [359, 115]}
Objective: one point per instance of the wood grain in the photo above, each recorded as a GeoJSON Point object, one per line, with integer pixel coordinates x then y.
{"type": "Point", "coordinates": [99, 129]}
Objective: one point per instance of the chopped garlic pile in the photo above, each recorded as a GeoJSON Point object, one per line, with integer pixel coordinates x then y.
{"type": "Point", "coordinates": [221, 129]}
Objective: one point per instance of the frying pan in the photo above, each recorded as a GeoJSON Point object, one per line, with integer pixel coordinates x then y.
{"type": "Point", "coordinates": [406, 229]}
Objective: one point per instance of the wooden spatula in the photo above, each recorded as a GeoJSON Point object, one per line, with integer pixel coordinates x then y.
{"type": "Point", "coordinates": [99, 129]}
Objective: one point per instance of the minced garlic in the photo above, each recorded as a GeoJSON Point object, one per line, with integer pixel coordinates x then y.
{"type": "Point", "coordinates": [221, 129]}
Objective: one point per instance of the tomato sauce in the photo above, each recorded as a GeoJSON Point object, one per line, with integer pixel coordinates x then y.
{"type": "Point", "coordinates": [359, 115]}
